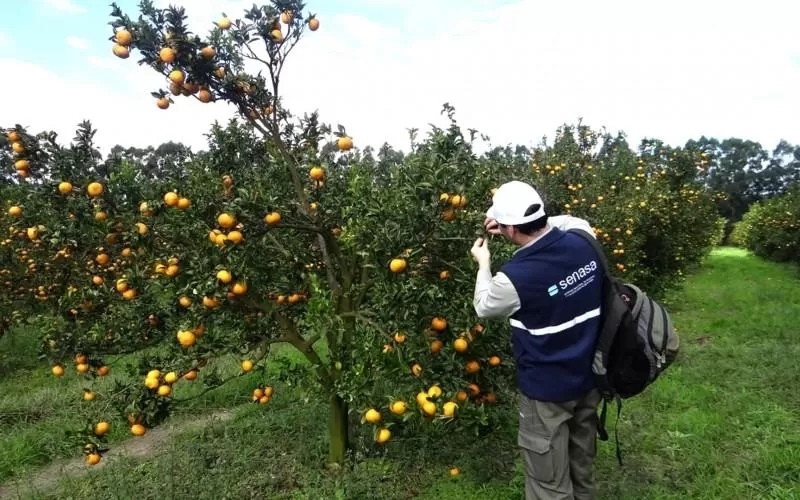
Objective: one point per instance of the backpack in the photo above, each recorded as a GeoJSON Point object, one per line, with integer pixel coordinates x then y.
{"type": "Point", "coordinates": [636, 343]}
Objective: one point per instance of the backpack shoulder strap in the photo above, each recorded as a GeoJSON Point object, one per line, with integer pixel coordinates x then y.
{"type": "Point", "coordinates": [598, 247]}
{"type": "Point", "coordinates": [613, 311]}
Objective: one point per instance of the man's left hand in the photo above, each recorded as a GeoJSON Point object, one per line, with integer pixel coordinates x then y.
{"type": "Point", "coordinates": [480, 252]}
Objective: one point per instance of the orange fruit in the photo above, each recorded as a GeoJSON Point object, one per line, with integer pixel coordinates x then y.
{"type": "Point", "coordinates": [247, 365]}
{"type": "Point", "coordinates": [123, 37]}
{"type": "Point", "coordinates": [286, 17]}
{"type": "Point", "coordinates": [472, 367]}
{"type": "Point", "coordinates": [151, 382]}
{"type": "Point", "coordinates": [163, 103]}
{"type": "Point", "coordinates": [344, 143]}
{"type": "Point", "coordinates": [121, 51]}
{"type": "Point", "coordinates": [171, 199]}
{"type": "Point", "coordinates": [398, 265]}
{"type": "Point", "coordinates": [416, 369]}
{"type": "Point", "coordinates": [204, 96]}
{"type": "Point", "coordinates": [226, 221]}
{"type": "Point", "coordinates": [316, 173]}
{"type": "Point", "coordinates": [138, 430]}
{"type": "Point", "coordinates": [94, 189]}
{"type": "Point", "coordinates": [167, 55]}
{"type": "Point", "coordinates": [82, 368]}
{"type": "Point", "coordinates": [93, 459]}
{"type": "Point", "coordinates": [436, 346]}
{"type": "Point", "coordinates": [58, 370]}
{"type": "Point", "coordinates": [494, 361]}
{"type": "Point", "coordinates": [277, 35]}
{"type": "Point", "coordinates": [444, 275]}
{"type": "Point", "coordinates": [454, 472]}
{"type": "Point", "coordinates": [429, 408]}
{"type": "Point", "coordinates": [224, 276]}
{"type": "Point", "coordinates": [15, 211]}
{"type": "Point", "coordinates": [100, 216]}
{"type": "Point", "coordinates": [185, 301]}
{"type": "Point", "coordinates": [103, 371]}
{"type": "Point", "coordinates": [210, 302]}
{"type": "Point", "coordinates": [17, 147]}
{"type": "Point", "coordinates": [64, 187]}
{"type": "Point", "coordinates": [434, 391]}
{"type": "Point", "coordinates": [81, 359]}
{"type": "Point", "coordinates": [22, 164]}
{"type": "Point", "coordinates": [398, 407]}
{"type": "Point", "coordinates": [235, 237]}
{"type": "Point", "coordinates": [224, 23]}
{"type": "Point", "coordinates": [383, 436]}
{"type": "Point", "coordinates": [186, 338]}
{"type": "Point", "coordinates": [313, 24]}
{"type": "Point", "coordinates": [461, 396]}
{"type": "Point", "coordinates": [272, 218]}
{"type": "Point", "coordinates": [439, 324]}
{"type": "Point", "coordinates": [399, 337]}
{"type": "Point", "coordinates": [101, 428]}
{"type": "Point", "coordinates": [208, 52]}
{"type": "Point", "coordinates": [239, 289]}
{"type": "Point", "coordinates": [190, 375]}
{"type": "Point", "coordinates": [129, 294]}
{"type": "Point", "coordinates": [13, 136]}
{"type": "Point", "coordinates": [460, 344]}
{"type": "Point", "coordinates": [372, 416]}
{"type": "Point", "coordinates": [449, 409]}
{"type": "Point", "coordinates": [164, 390]}
{"type": "Point", "coordinates": [177, 76]}
{"type": "Point", "coordinates": [141, 228]}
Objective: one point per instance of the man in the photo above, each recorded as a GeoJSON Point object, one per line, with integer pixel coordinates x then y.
{"type": "Point", "coordinates": [551, 292]}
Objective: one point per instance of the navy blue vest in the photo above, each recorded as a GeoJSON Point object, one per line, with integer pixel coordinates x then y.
{"type": "Point", "coordinates": [559, 280]}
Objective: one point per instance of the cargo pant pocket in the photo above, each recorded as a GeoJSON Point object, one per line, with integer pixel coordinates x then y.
{"type": "Point", "coordinates": [538, 454]}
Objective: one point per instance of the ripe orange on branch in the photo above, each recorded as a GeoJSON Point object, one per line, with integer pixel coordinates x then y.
{"type": "Point", "coordinates": [398, 265]}
{"type": "Point", "coordinates": [344, 143]}
{"type": "Point", "coordinates": [167, 55]}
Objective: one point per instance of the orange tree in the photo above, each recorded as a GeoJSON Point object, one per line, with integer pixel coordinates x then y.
{"type": "Point", "coordinates": [771, 228]}
{"type": "Point", "coordinates": [283, 233]}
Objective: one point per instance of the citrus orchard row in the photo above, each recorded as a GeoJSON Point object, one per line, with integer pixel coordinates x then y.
{"type": "Point", "coordinates": [771, 228]}
{"type": "Point", "coordinates": [283, 232]}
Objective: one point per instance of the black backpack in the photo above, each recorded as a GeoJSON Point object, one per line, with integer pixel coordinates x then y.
{"type": "Point", "coordinates": [636, 343]}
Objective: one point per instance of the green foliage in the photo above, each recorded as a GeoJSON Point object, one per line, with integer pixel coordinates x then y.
{"type": "Point", "coordinates": [771, 228]}
{"type": "Point", "coordinates": [194, 263]}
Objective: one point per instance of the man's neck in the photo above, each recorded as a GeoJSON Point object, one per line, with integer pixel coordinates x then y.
{"type": "Point", "coordinates": [528, 240]}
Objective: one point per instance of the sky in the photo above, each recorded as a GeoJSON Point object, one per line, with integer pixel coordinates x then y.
{"type": "Point", "coordinates": [514, 69]}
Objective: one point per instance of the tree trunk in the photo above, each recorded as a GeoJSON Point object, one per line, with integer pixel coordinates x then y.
{"type": "Point", "coordinates": [337, 432]}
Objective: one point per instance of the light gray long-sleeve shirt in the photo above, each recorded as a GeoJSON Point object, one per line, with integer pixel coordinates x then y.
{"type": "Point", "coordinates": [496, 297]}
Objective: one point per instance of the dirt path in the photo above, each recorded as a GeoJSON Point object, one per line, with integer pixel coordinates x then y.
{"type": "Point", "coordinates": [142, 447]}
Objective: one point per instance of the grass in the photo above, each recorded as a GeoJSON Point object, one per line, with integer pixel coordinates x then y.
{"type": "Point", "coordinates": [721, 424]}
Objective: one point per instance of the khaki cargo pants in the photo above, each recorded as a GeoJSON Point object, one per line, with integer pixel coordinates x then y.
{"type": "Point", "coordinates": [558, 442]}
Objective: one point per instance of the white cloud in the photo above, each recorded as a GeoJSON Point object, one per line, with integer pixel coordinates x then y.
{"type": "Point", "coordinates": [63, 6]}
{"type": "Point", "coordinates": [673, 71]}
{"type": "Point", "coordinates": [77, 42]}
